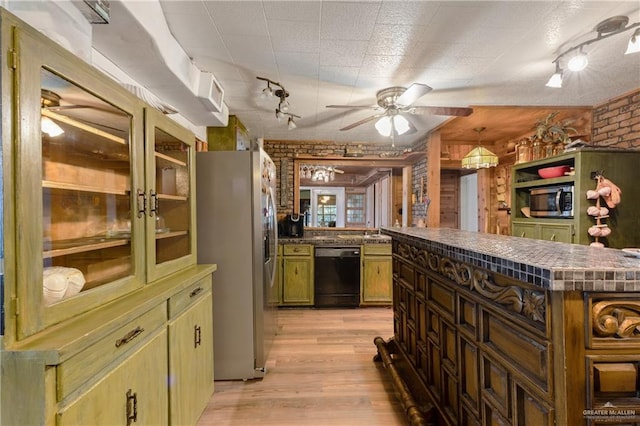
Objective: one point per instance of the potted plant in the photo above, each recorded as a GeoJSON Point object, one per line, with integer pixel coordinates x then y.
{"type": "Point", "coordinates": [554, 135]}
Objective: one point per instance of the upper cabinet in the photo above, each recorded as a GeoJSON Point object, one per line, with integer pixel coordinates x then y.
{"type": "Point", "coordinates": [170, 185]}
{"type": "Point", "coordinates": [103, 187]}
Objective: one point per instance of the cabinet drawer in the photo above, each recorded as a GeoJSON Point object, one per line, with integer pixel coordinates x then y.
{"type": "Point", "coordinates": [561, 233]}
{"type": "Point", "coordinates": [377, 249]}
{"type": "Point", "coordinates": [298, 250]}
{"type": "Point", "coordinates": [188, 296]}
{"type": "Point", "coordinates": [86, 364]}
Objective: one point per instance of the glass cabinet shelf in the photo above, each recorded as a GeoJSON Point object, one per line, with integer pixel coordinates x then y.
{"type": "Point", "coordinates": [79, 245]}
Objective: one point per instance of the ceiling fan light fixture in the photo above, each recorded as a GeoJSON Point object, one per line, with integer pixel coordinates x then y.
{"type": "Point", "coordinates": [383, 126]}
{"type": "Point", "coordinates": [401, 124]}
{"type": "Point", "coordinates": [634, 43]}
{"type": "Point", "coordinates": [279, 115]}
{"type": "Point", "coordinates": [291, 124]}
{"type": "Point", "coordinates": [49, 127]}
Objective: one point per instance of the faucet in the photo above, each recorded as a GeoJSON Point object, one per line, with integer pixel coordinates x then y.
{"type": "Point", "coordinates": [366, 231]}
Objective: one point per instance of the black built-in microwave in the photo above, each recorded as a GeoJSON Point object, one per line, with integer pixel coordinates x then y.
{"type": "Point", "coordinates": [551, 201]}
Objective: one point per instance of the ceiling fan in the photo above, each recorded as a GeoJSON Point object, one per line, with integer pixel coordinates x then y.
{"type": "Point", "coordinates": [395, 103]}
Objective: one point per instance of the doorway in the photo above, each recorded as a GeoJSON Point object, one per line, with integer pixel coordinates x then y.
{"type": "Point", "coordinates": [469, 202]}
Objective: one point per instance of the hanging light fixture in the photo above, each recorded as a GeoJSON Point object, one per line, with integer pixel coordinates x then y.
{"type": "Point", "coordinates": [319, 173]}
{"type": "Point", "coordinates": [604, 29]}
{"type": "Point", "coordinates": [479, 157]}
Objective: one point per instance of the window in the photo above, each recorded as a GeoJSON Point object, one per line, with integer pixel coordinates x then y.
{"type": "Point", "coordinates": [355, 210]}
{"type": "Point", "coordinates": [327, 210]}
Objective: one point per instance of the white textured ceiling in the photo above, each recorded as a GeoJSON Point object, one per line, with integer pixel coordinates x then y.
{"type": "Point", "coordinates": [327, 52]}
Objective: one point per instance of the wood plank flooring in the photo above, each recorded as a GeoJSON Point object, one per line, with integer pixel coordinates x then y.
{"type": "Point", "coordinates": [320, 372]}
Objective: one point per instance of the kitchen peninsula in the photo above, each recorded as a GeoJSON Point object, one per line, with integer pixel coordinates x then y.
{"type": "Point", "coordinates": [491, 329]}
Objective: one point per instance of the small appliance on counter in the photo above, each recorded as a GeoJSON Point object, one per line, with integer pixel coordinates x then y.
{"type": "Point", "coordinates": [291, 226]}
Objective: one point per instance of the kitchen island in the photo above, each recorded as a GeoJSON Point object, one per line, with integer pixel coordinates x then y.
{"type": "Point", "coordinates": [491, 329]}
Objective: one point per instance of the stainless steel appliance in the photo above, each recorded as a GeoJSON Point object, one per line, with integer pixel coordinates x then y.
{"type": "Point", "coordinates": [551, 201]}
{"type": "Point", "coordinates": [237, 230]}
{"type": "Point", "coordinates": [337, 277]}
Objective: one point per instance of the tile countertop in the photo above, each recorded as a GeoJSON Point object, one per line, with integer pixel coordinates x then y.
{"type": "Point", "coordinates": [552, 265]}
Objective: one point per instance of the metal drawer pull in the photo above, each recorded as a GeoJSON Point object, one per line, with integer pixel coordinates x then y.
{"type": "Point", "coordinates": [129, 336]}
{"type": "Point", "coordinates": [132, 407]}
{"type": "Point", "coordinates": [142, 202]}
{"type": "Point", "coordinates": [197, 336]}
{"type": "Point", "coordinates": [195, 292]}
{"type": "Point", "coordinates": [553, 237]}
{"type": "Point", "coordinates": [154, 203]}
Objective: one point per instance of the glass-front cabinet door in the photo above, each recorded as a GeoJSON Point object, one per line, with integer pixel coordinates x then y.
{"type": "Point", "coordinates": [170, 181]}
{"type": "Point", "coordinates": [79, 150]}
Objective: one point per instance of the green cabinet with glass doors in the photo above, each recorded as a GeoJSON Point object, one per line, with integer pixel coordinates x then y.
{"type": "Point", "coordinates": [99, 201]}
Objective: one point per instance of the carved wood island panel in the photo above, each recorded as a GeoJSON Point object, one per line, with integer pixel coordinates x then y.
{"type": "Point", "coordinates": [495, 330]}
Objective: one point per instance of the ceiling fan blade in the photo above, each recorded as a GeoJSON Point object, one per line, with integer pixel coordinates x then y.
{"type": "Point", "coordinates": [357, 123]}
{"type": "Point", "coordinates": [412, 94]}
{"type": "Point", "coordinates": [456, 111]}
{"type": "Point", "coordinates": [354, 106]}
{"type": "Point", "coordinates": [412, 128]}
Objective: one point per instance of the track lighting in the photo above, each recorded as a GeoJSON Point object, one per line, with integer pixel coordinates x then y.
{"type": "Point", "coordinates": [266, 92]}
{"type": "Point", "coordinates": [578, 62]}
{"type": "Point", "coordinates": [634, 43]}
{"type": "Point", "coordinates": [556, 78]}
{"type": "Point", "coordinates": [607, 28]}
{"type": "Point", "coordinates": [283, 105]}
{"type": "Point", "coordinates": [291, 124]}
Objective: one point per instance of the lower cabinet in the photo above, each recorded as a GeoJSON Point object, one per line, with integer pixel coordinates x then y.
{"type": "Point", "coordinates": [133, 392]}
{"type": "Point", "coordinates": [297, 271]}
{"type": "Point", "coordinates": [562, 232]}
{"type": "Point", "coordinates": [190, 353]}
{"type": "Point", "coordinates": [377, 275]}
{"type": "Point", "coordinates": [146, 359]}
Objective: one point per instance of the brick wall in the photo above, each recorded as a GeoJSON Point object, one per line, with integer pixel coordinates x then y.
{"type": "Point", "coordinates": [284, 152]}
{"type": "Point", "coordinates": [616, 123]}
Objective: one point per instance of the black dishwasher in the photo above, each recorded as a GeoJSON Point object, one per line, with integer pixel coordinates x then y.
{"type": "Point", "coordinates": [337, 277]}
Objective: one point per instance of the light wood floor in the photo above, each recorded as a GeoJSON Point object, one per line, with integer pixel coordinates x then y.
{"type": "Point", "coordinates": [320, 372]}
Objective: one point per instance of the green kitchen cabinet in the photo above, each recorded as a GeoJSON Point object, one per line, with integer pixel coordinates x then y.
{"type": "Point", "coordinates": [619, 166]}
{"type": "Point", "coordinates": [377, 275]}
{"type": "Point", "coordinates": [297, 271]}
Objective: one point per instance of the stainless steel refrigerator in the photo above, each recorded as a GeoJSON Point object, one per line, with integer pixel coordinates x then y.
{"type": "Point", "coordinates": [237, 230]}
